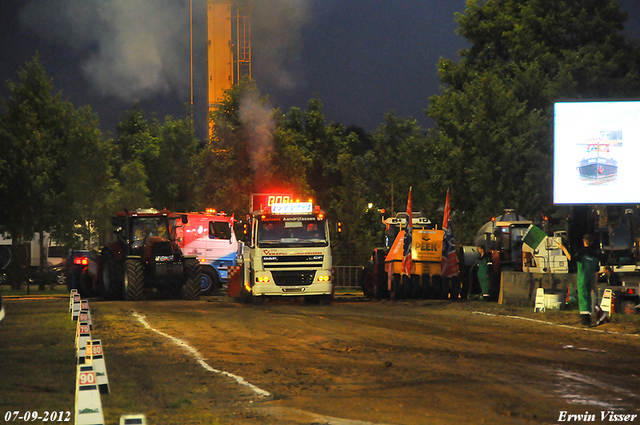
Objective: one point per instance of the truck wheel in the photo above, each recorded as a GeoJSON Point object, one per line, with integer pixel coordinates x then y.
{"type": "Point", "coordinates": [209, 282]}
{"type": "Point", "coordinates": [193, 280]}
{"type": "Point", "coordinates": [111, 277]}
{"type": "Point", "coordinates": [382, 290]}
{"type": "Point", "coordinates": [133, 280]}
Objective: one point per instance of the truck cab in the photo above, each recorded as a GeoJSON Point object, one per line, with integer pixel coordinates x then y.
{"type": "Point", "coordinates": [288, 253]}
{"type": "Point", "coordinates": [211, 238]}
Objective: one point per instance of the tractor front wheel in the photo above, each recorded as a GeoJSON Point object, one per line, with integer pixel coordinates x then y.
{"type": "Point", "coordinates": [193, 280]}
{"type": "Point", "coordinates": [133, 280]}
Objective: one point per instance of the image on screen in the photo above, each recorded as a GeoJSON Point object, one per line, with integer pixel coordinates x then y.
{"type": "Point", "coordinates": [596, 151]}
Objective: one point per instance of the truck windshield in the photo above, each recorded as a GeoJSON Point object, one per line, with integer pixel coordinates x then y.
{"type": "Point", "coordinates": [150, 226]}
{"type": "Point", "coordinates": [292, 231]}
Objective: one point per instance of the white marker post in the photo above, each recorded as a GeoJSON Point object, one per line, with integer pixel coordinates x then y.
{"type": "Point", "coordinates": [88, 404]}
{"type": "Point", "coordinates": [605, 307]}
{"type": "Point", "coordinates": [71, 295]}
{"type": "Point", "coordinates": [99, 366]}
{"type": "Point", "coordinates": [85, 314]}
{"type": "Point", "coordinates": [75, 309]}
{"type": "Point", "coordinates": [539, 307]}
{"type": "Point", "coordinates": [136, 419]}
{"type": "Point", "coordinates": [83, 334]}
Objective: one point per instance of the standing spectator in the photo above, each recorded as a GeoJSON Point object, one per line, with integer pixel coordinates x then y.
{"type": "Point", "coordinates": [484, 276]}
{"type": "Point", "coordinates": [588, 266]}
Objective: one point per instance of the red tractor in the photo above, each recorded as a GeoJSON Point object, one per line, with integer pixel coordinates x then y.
{"type": "Point", "coordinates": [145, 254]}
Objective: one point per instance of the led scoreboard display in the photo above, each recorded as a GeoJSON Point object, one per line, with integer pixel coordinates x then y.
{"type": "Point", "coordinates": [261, 200]}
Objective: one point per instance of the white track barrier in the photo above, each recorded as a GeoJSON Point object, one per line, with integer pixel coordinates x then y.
{"type": "Point", "coordinates": [83, 334]}
{"type": "Point", "coordinates": [604, 315]}
{"type": "Point", "coordinates": [84, 306]}
{"type": "Point", "coordinates": [99, 366]}
{"type": "Point", "coordinates": [71, 295]}
{"type": "Point", "coordinates": [88, 409]}
{"type": "Point", "coordinates": [75, 309]}
{"type": "Point", "coordinates": [539, 306]}
{"type": "Point", "coordinates": [85, 316]}
{"type": "Point", "coordinates": [137, 419]}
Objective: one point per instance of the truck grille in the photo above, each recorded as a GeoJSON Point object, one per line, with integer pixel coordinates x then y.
{"type": "Point", "coordinates": [293, 278]}
{"type": "Point", "coordinates": [292, 261]}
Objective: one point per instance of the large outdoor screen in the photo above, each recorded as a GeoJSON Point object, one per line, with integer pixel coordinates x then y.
{"type": "Point", "coordinates": [596, 152]}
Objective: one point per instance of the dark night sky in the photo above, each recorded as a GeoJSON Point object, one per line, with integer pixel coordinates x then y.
{"type": "Point", "coordinates": [361, 57]}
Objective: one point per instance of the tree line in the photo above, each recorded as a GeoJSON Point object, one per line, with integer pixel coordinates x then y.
{"type": "Point", "coordinates": [491, 145]}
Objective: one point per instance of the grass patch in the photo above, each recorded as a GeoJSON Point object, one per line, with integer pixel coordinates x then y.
{"type": "Point", "coordinates": [38, 366]}
{"type": "Point", "coordinates": [38, 357]}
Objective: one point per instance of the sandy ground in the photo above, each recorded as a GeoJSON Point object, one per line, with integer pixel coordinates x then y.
{"type": "Point", "coordinates": [421, 362]}
{"type": "Point", "coordinates": [356, 362]}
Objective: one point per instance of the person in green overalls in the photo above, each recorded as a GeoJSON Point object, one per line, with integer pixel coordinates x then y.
{"type": "Point", "coordinates": [484, 273]}
{"type": "Point", "coordinates": [588, 266]}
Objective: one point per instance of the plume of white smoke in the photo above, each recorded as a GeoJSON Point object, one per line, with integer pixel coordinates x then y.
{"type": "Point", "coordinates": [130, 49]}
{"type": "Point", "coordinates": [258, 122]}
{"type": "Point", "coordinates": [137, 49]}
{"type": "Point", "coordinates": [277, 38]}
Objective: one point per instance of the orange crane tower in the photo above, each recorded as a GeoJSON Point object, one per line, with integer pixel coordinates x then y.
{"type": "Point", "coordinates": [228, 47]}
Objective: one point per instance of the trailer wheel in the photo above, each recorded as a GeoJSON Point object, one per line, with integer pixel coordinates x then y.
{"type": "Point", "coordinates": [396, 288]}
{"type": "Point", "coordinates": [209, 282]}
{"type": "Point", "coordinates": [438, 287]}
{"type": "Point", "coordinates": [628, 307]}
{"type": "Point", "coordinates": [426, 286]}
{"type": "Point", "coordinates": [382, 290]}
{"type": "Point", "coordinates": [455, 287]}
{"type": "Point", "coordinates": [111, 277]}
{"type": "Point", "coordinates": [192, 281]}
{"type": "Point", "coordinates": [133, 280]}
{"type": "Point", "coordinates": [416, 289]}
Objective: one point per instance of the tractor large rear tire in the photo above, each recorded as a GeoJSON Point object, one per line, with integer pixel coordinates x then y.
{"type": "Point", "coordinates": [193, 280]}
{"type": "Point", "coordinates": [133, 280]}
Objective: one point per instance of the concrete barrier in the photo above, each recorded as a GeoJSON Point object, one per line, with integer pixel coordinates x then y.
{"type": "Point", "coordinates": [520, 287]}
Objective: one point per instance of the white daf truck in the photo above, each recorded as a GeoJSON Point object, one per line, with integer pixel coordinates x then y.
{"type": "Point", "coordinates": [287, 253]}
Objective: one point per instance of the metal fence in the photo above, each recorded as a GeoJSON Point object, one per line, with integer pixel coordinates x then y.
{"type": "Point", "coordinates": [347, 276]}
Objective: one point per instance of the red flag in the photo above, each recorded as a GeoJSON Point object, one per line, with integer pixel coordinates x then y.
{"type": "Point", "coordinates": [449, 264]}
{"type": "Point", "coordinates": [408, 233]}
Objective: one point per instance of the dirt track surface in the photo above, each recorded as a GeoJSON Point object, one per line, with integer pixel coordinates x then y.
{"type": "Point", "coordinates": [423, 362]}
{"type": "Point", "coordinates": [216, 361]}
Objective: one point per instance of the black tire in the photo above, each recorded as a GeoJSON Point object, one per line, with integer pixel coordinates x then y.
{"type": "Point", "coordinates": [474, 283]}
{"type": "Point", "coordinates": [416, 289]}
{"type": "Point", "coordinates": [438, 287]}
{"type": "Point", "coordinates": [326, 299]}
{"type": "Point", "coordinates": [627, 307]}
{"type": "Point", "coordinates": [133, 279]}
{"type": "Point", "coordinates": [455, 287]}
{"type": "Point", "coordinates": [367, 281]}
{"type": "Point", "coordinates": [396, 287]}
{"type": "Point", "coordinates": [382, 289]}
{"type": "Point", "coordinates": [86, 284]}
{"type": "Point", "coordinates": [192, 280]}
{"type": "Point", "coordinates": [425, 291]}
{"type": "Point", "coordinates": [446, 288]}
{"type": "Point", "coordinates": [112, 279]}
{"type": "Point", "coordinates": [209, 282]}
